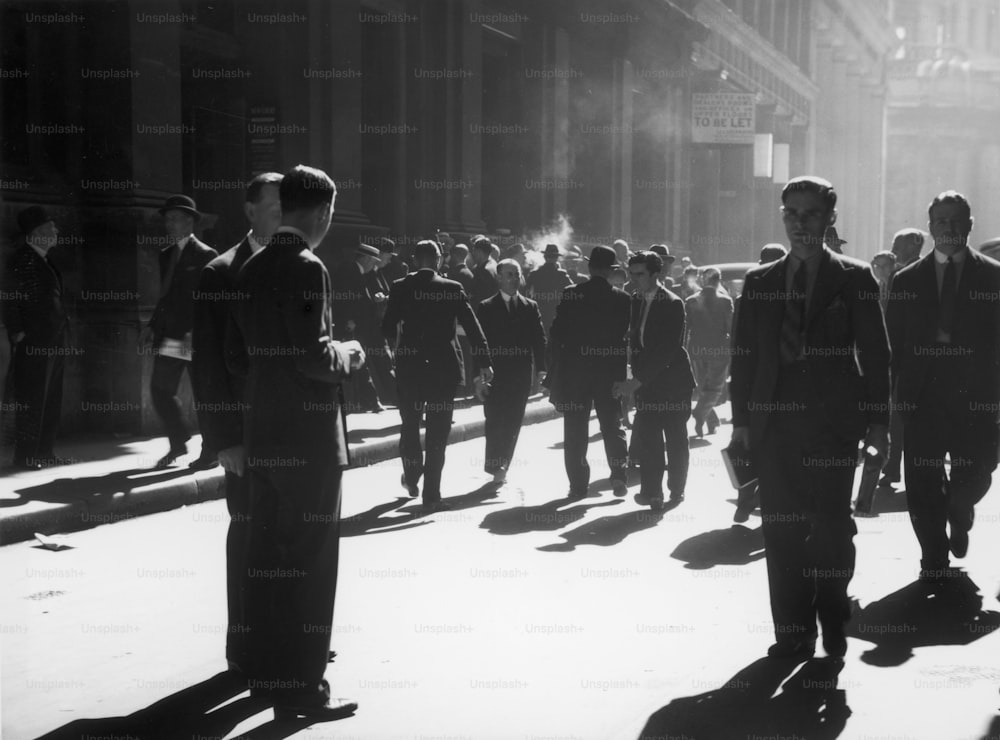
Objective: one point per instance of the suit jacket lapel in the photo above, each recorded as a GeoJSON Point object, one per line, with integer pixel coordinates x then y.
{"type": "Point", "coordinates": [829, 280]}
{"type": "Point", "coordinates": [927, 286]}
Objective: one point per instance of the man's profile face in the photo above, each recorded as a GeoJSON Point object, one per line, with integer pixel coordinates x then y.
{"type": "Point", "coordinates": [265, 214]}
{"type": "Point", "coordinates": [643, 279]}
{"type": "Point", "coordinates": [178, 224]}
{"type": "Point", "coordinates": [509, 279]}
{"type": "Point", "coordinates": [950, 225]}
{"type": "Point", "coordinates": [905, 248]}
{"type": "Point", "coordinates": [45, 236]}
{"type": "Point", "coordinates": [806, 216]}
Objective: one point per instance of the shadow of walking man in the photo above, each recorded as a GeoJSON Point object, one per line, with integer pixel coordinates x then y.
{"type": "Point", "coordinates": [735, 545]}
{"type": "Point", "coordinates": [768, 698]}
{"type": "Point", "coordinates": [920, 615]}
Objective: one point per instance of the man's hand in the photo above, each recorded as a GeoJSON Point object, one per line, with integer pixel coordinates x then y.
{"type": "Point", "coordinates": [486, 374]}
{"type": "Point", "coordinates": [355, 352]}
{"type": "Point", "coordinates": [741, 438]}
{"type": "Point", "coordinates": [233, 460]}
{"type": "Point", "coordinates": [878, 437]}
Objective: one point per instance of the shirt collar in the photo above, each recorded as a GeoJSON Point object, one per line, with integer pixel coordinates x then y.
{"type": "Point", "coordinates": [507, 298]}
{"type": "Point", "coordinates": [292, 230]}
{"type": "Point", "coordinates": [958, 258]}
{"type": "Point", "coordinates": [650, 295]}
{"type": "Point", "coordinates": [183, 243]}
{"type": "Point", "coordinates": [38, 251]}
{"type": "Point", "coordinates": [255, 246]}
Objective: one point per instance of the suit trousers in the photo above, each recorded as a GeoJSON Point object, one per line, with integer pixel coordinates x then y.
{"type": "Point", "coordinates": [163, 387]}
{"type": "Point", "coordinates": [710, 372]}
{"type": "Point", "coordinates": [38, 384]}
{"type": "Point", "coordinates": [657, 422]}
{"type": "Point", "coordinates": [238, 504]}
{"type": "Point", "coordinates": [293, 540]}
{"type": "Point", "coordinates": [942, 424]}
{"type": "Point", "coordinates": [379, 363]}
{"type": "Point", "coordinates": [894, 461]}
{"type": "Point", "coordinates": [806, 482]}
{"type": "Point", "coordinates": [434, 398]}
{"type": "Point", "coordinates": [504, 411]}
{"type": "Point", "coordinates": [576, 423]}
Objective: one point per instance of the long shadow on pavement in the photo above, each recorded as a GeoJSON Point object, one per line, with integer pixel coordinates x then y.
{"type": "Point", "coordinates": [410, 513]}
{"type": "Point", "coordinates": [920, 615]}
{"type": "Point", "coordinates": [547, 517]}
{"type": "Point", "coordinates": [809, 705]}
{"type": "Point", "coordinates": [95, 488]}
{"type": "Point", "coordinates": [187, 713]}
{"type": "Point", "coordinates": [736, 545]}
{"type": "Point", "coordinates": [608, 530]}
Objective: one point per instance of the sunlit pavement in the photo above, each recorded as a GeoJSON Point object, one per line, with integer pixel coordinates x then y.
{"type": "Point", "coordinates": [519, 615]}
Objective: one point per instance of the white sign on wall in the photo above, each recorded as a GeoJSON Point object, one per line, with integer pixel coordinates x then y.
{"type": "Point", "coordinates": [723, 118]}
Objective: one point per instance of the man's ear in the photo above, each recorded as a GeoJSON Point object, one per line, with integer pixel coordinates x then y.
{"type": "Point", "coordinates": [833, 218]}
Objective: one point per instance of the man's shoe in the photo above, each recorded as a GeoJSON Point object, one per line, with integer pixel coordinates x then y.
{"type": "Point", "coordinates": [835, 641]}
{"type": "Point", "coordinates": [333, 709]}
{"type": "Point", "coordinates": [792, 649]}
{"type": "Point", "coordinates": [577, 494]}
{"type": "Point", "coordinates": [959, 541]}
{"type": "Point", "coordinates": [699, 428]}
{"type": "Point", "coordinates": [170, 458]}
{"type": "Point", "coordinates": [676, 496]}
{"type": "Point", "coordinates": [656, 503]}
{"type": "Point", "coordinates": [411, 488]}
{"type": "Point", "coordinates": [500, 476]}
{"type": "Point", "coordinates": [619, 487]}
{"type": "Point", "coordinates": [204, 463]}
{"type": "Point", "coordinates": [436, 505]}
{"type": "Point", "coordinates": [712, 426]}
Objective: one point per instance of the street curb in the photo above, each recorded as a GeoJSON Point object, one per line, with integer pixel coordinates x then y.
{"type": "Point", "coordinates": [201, 487]}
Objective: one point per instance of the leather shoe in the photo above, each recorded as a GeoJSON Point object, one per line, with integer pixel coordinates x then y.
{"type": "Point", "coordinates": [170, 458]}
{"type": "Point", "coordinates": [959, 541]}
{"type": "Point", "coordinates": [619, 487]}
{"type": "Point", "coordinates": [203, 463]}
{"type": "Point", "coordinates": [411, 488]}
{"type": "Point", "coordinates": [699, 428]}
{"type": "Point", "coordinates": [436, 505]}
{"type": "Point", "coordinates": [576, 495]}
{"type": "Point", "coordinates": [332, 709]}
{"type": "Point", "coordinates": [792, 649]}
{"type": "Point", "coordinates": [834, 641]}
{"type": "Point", "coordinates": [676, 497]}
{"type": "Point", "coordinates": [656, 503]}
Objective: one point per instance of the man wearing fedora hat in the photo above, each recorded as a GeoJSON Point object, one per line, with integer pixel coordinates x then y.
{"type": "Point", "coordinates": [37, 326]}
{"type": "Point", "coordinates": [169, 330]}
{"type": "Point", "coordinates": [354, 314]}
{"type": "Point", "coordinates": [589, 349]}
{"type": "Point", "coordinates": [546, 284]}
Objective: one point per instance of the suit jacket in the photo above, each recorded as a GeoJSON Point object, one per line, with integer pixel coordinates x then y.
{"type": "Point", "coordinates": [660, 362]}
{"type": "Point", "coordinates": [462, 274]}
{"type": "Point", "coordinates": [484, 281]}
{"type": "Point", "coordinates": [352, 301]}
{"type": "Point", "coordinates": [282, 336]}
{"type": "Point", "coordinates": [546, 285]}
{"type": "Point", "coordinates": [912, 318]}
{"type": "Point", "coordinates": [174, 313]}
{"type": "Point", "coordinates": [514, 340]}
{"type": "Point", "coordinates": [588, 340]}
{"type": "Point", "coordinates": [430, 308]}
{"type": "Point", "coordinates": [32, 299]}
{"type": "Point", "coordinates": [219, 392]}
{"type": "Point", "coordinates": [709, 320]}
{"type": "Point", "coordinates": [846, 347]}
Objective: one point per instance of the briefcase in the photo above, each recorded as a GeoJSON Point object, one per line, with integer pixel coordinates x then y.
{"type": "Point", "coordinates": [738, 465]}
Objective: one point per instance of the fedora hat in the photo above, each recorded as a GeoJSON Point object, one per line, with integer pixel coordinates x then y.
{"type": "Point", "coordinates": [180, 203]}
{"type": "Point", "coordinates": [602, 257]}
{"type": "Point", "coordinates": [31, 218]}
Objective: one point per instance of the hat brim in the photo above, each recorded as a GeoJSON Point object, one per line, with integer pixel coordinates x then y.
{"type": "Point", "coordinates": [186, 209]}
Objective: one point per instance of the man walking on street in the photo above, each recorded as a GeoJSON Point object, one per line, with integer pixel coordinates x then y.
{"type": "Point", "coordinates": [589, 345]}
{"type": "Point", "coordinates": [425, 310]}
{"type": "Point", "coordinates": [710, 320]}
{"type": "Point", "coordinates": [810, 378]}
{"type": "Point", "coordinates": [546, 284]}
{"type": "Point", "coordinates": [513, 329]}
{"type": "Point", "coordinates": [169, 330]}
{"type": "Point", "coordinates": [944, 324]}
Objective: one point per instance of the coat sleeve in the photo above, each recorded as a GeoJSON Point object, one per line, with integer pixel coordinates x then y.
{"type": "Point", "coordinates": [872, 346]}
{"type": "Point", "coordinates": [743, 368]}
{"type": "Point", "coordinates": [473, 332]}
{"type": "Point", "coordinates": [315, 354]}
{"type": "Point", "coordinates": [537, 337]}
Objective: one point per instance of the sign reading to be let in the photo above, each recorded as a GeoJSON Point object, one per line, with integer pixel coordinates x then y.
{"type": "Point", "coordinates": [722, 118]}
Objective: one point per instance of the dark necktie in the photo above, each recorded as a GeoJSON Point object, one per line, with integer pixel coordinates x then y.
{"type": "Point", "coordinates": [795, 311]}
{"type": "Point", "coordinates": [168, 274]}
{"type": "Point", "coordinates": [949, 291]}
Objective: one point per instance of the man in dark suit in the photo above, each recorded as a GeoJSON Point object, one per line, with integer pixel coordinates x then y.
{"type": "Point", "coordinates": [378, 355]}
{"type": "Point", "coordinates": [295, 438]}
{"type": "Point", "coordinates": [944, 323]}
{"type": "Point", "coordinates": [38, 330]}
{"type": "Point", "coordinates": [484, 270]}
{"type": "Point", "coordinates": [710, 320]}
{"type": "Point", "coordinates": [513, 329]}
{"type": "Point", "coordinates": [458, 270]}
{"type": "Point", "coordinates": [807, 323]}
{"type": "Point", "coordinates": [588, 343]}
{"type": "Point", "coordinates": [661, 381]}
{"type": "Point", "coordinates": [219, 394]}
{"type": "Point", "coordinates": [354, 316]}
{"type": "Point", "coordinates": [546, 284]}
{"type": "Point", "coordinates": [424, 311]}
{"type": "Point", "coordinates": [169, 331]}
